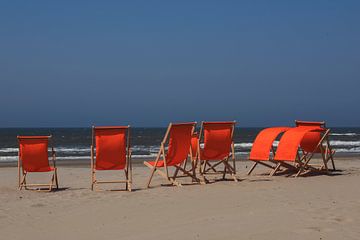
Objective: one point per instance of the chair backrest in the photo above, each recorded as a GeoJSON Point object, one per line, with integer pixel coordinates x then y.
{"type": "Point", "coordinates": [218, 137]}
{"type": "Point", "coordinates": [311, 139]}
{"type": "Point", "coordinates": [179, 142]}
{"type": "Point", "coordinates": [194, 145]}
{"type": "Point", "coordinates": [33, 153]}
{"type": "Point", "coordinates": [111, 145]}
{"type": "Point", "coordinates": [263, 143]}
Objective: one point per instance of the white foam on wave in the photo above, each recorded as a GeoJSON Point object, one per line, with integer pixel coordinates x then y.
{"type": "Point", "coordinates": [145, 156]}
{"type": "Point", "coordinates": [8, 150]}
{"type": "Point", "coordinates": [79, 150]}
{"type": "Point", "coordinates": [347, 150]}
{"type": "Point", "coordinates": [242, 148]}
{"type": "Point", "coordinates": [151, 149]}
{"type": "Point", "coordinates": [8, 158]}
{"type": "Point", "coordinates": [243, 145]}
{"type": "Point", "coordinates": [249, 145]}
{"type": "Point", "coordinates": [344, 134]}
{"type": "Point", "coordinates": [345, 143]}
{"type": "Point", "coordinates": [60, 149]}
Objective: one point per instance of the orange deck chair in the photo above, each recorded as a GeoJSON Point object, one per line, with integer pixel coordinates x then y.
{"type": "Point", "coordinates": [110, 150]}
{"type": "Point", "coordinates": [263, 149]}
{"type": "Point", "coordinates": [301, 143]}
{"type": "Point", "coordinates": [217, 150]}
{"type": "Point", "coordinates": [34, 157]}
{"type": "Point", "coordinates": [178, 140]}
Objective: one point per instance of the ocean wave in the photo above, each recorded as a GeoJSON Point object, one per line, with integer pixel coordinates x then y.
{"type": "Point", "coordinates": [8, 158]}
{"type": "Point", "coordinates": [249, 145]}
{"type": "Point", "coordinates": [155, 149]}
{"type": "Point", "coordinates": [144, 156]}
{"type": "Point", "coordinates": [60, 149]}
{"type": "Point", "coordinates": [344, 143]}
{"type": "Point", "coordinates": [243, 145]}
{"type": "Point", "coordinates": [8, 150]}
{"type": "Point", "coordinates": [344, 134]}
{"type": "Point", "coordinates": [348, 150]}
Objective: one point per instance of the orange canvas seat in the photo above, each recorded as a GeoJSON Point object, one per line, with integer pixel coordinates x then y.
{"type": "Point", "coordinates": [178, 139]}
{"type": "Point", "coordinates": [299, 145]}
{"type": "Point", "coordinates": [34, 157]}
{"type": "Point", "coordinates": [110, 150]}
{"type": "Point", "coordinates": [218, 147]}
{"type": "Point", "coordinates": [263, 147]}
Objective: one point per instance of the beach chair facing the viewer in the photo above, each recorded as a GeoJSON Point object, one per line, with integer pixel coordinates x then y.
{"type": "Point", "coordinates": [34, 157]}
{"type": "Point", "coordinates": [110, 150]}
{"type": "Point", "coordinates": [178, 141]}
{"type": "Point", "coordinates": [217, 150]}
{"type": "Point", "coordinates": [298, 146]}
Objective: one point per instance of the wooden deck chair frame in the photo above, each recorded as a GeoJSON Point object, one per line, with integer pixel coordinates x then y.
{"type": "Point", "coordinates": [326, 151]}
{"type": "Point", "coordinates": [303, 158]}
{"type": "Point", "coordinates": [22, 174]}
{"type": "Point", "coordinates": [128, 165]}
{"type": "Point", "coordinates": [204, 166]}
{"type": "Point", "coordinates": [161, 156]}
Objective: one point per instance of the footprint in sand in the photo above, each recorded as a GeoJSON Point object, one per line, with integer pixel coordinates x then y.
{"type": "Point", "coordinates": [38, 205]}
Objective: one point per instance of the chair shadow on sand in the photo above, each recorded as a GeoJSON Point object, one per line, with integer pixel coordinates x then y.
{"type": "Point", "coordinates": [331, 173]}
{"type": "Point", "coordinates": [291, 173]}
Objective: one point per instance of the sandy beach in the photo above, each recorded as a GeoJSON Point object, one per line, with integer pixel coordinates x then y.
{"type": "Point", "coordinates": [257, 207]}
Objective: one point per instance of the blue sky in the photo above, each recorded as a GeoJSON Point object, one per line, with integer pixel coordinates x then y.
{"type": "Point", "coordinates": [145, 63]}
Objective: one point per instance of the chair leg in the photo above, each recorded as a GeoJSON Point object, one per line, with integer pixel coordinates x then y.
{"type": "Point", "coordinates": [275, 169]}
{"type": "Point", "coordinates": [23, 181]}
{"type": "Point", "coordinates": [153, 169]}
{"type": "Point", "coordinates": [300, 171]}
{"type": "Point", "coordinates": [56, 179]}
{"type": "Point", "coordinates": [224, 173]}
{"type": "Point", "coordinates": [127, 179]}
{"type": "Point", "coordinates": [129, 186]}
{"type": "Point", "coordinates": [252, 168]}
{"type": "Point", "coordinates": [332, 159]}
{"type": "Point", "coordinates": [231, 171]}
{"type": "Point", "coordinates": [171, 180]}
{"type": "Point", "coordinates": [92, 180]}
{"type": "Point", "coordinates": [193, 164]}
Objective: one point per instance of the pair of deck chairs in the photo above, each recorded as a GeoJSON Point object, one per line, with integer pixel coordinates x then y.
{"type": "Point", "coordinates": [182, 145]}
{"type": "Point", "coordinates": [110, 150]}
{"type": "Point", "coordinates": [297, 147]}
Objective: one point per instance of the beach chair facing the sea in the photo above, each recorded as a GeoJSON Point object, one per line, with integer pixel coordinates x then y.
{"type": "Point", "coordinates": [34, 157]}
{"type": "Point", "coordinates": [110, 150]}
{"type": "Point", "coordinates": [178, 141]}
{"type": "Point", "coordinates": [218, 149]}
{"type": "Point", "coordinates": [298, 146]}
{"type": "Point", "coordinates": [263, 149]}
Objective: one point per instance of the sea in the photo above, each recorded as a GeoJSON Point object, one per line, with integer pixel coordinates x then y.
{"type": "Point", "coordinates": [74, 143]}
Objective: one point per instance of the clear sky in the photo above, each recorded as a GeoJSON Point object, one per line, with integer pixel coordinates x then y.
{"type": "Point", "coordinates": [145, 63]}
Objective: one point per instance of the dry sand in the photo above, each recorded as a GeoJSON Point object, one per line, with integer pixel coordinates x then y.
{"type": "Point", "coordinates": [257, 207]}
